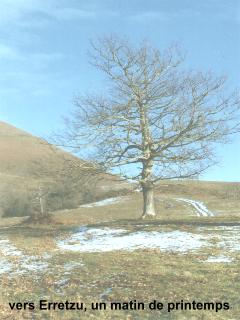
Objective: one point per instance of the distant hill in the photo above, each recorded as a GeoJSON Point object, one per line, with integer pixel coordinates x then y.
{"type": "Point", "coordinates": [23, 154]}
{"type": "Point", "coordinates": [27, 162]}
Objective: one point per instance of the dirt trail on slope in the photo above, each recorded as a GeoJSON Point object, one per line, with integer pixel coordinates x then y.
{"type": "Point", "coordinates": [200, 208]}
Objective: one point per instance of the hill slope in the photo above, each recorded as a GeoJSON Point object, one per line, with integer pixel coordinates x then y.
{"type": "Point", "coordinates": [26, 162]}
{"type": "Point", "coordinates": [23, 154]}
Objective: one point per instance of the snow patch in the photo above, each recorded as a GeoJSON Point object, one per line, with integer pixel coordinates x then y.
{"type": "Point", "coordinates": [201, 209]}
{"type": "Point", "coordinates": [5, 266]}
{"type": "Point", "coordinates": [33, 263]}
{"type": "Point", "coordinates": [219, 259]}
{"type": "Point", "coordinates": [104, 202]}
{"type": "Point", "coordinates": [227, 237]}
{"type": "Point", "coordinates": [9, 249]}
{"type": "Point", "coordinates": [24, 263]}
{"type": "Point", "coordinates": [69, 266]}
{"type": "Point", "coordinates": [104, 240]}
{"type": "Point", "coordinates": [230, 239]}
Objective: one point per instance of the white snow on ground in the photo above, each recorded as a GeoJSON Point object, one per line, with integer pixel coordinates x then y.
{"type": "Point", "coordinates": [103, 240]}
{"type": "Point", "coordinates": [8, 249]}
{"type": "Point", "coordinates": [104, 202]}
{"type": "Point", "coordinates": [219, 259]}
{"type": "Point", "coordinates": [201, 209]}
{"type": "Point", "coordinates": [5, 266]}
{"type": "Point", "coordinates": [69, 266]}
{"type": "Point", "coordinates": [15, 262]}
{"type": "Point", "coordinates": [23, 266]}
{"type": "Point", "coordinates": [32, 263]}
{"type": "Point", "coordinates": [106, 239]}
{"type": "Point", "coordinates": [227, 236]}
{"type": "Point", "coordinates": [24, 263]}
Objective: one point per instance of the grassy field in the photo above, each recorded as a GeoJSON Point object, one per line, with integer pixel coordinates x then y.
{"type": "Point", "coordinates": [39, 269]}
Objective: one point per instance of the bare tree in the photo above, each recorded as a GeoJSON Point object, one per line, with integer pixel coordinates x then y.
{"type": "Point", "coordinates": [61, 180]}
{"type": "Point", "coordinates": [156, 121]}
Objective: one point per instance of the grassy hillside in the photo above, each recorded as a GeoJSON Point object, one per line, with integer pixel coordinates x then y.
{"type": "Point", "coordinates": [221, 198]}
{"type": "Point", "coordinates": [27, 162]}
{"type": "Point", "coordinates": [34, 265]}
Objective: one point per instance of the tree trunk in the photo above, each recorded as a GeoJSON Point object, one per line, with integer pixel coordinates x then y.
{"type": "Point", "coordinates": [42, 202]}
{"type": "Point", "coordinates": [148, 202]}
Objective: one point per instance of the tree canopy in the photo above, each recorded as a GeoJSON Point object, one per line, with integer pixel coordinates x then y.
{"type": "Point", "coordinates": [155, 120]}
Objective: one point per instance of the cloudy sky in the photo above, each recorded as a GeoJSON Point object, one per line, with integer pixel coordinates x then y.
{"type": "Point", "coordinates": [44, 45]}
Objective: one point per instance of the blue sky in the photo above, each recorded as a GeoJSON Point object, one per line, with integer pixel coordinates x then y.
{"type": "Point", "coordinates": [44, 61]}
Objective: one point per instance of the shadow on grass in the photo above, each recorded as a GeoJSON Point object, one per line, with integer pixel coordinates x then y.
{"type": "Point", "coordinates": [53, 230]}
{"type": "Point", "coordinates": [216, 221]}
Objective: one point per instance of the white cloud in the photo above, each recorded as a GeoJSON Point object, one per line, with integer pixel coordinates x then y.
{"type": "Point", "coordinates": [72, 13]}
{"type": "Point", "coordinates": [202, 10]}
{"type": "Point", "coordinates": [11, 11]}
{"type": "Point", "coordinates": [149, 15]}
{"type": "Point", "coordinates": [19, 12]}
{"type": "Point", "coordinates": [164, 16]}
{"type": "Point", "coordinates": [7, 52]}
{"type": "Point", "coordinates": [13, 54]}
{"type": "Point", "coordinates": [43, 56]}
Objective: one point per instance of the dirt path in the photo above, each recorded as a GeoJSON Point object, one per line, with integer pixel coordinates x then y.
{"type": "Point", "coordinates": [200, 208]}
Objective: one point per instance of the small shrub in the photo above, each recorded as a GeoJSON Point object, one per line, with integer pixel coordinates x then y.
{"type": "Point", "coordinates": [17, 205]}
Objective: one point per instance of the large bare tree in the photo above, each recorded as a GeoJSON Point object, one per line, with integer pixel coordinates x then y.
{"type": "Point", "coordinates": [155, 121]}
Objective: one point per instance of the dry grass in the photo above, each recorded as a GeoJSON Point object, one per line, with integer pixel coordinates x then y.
{"type": "Point", "coordinates": [226, 207]}
{"type": "Point", "coordinates": [28, 162]}
{"type": "Point", "coordinates": [143, 275]}
{"type": "Point", "coordinates": [218, 197]}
